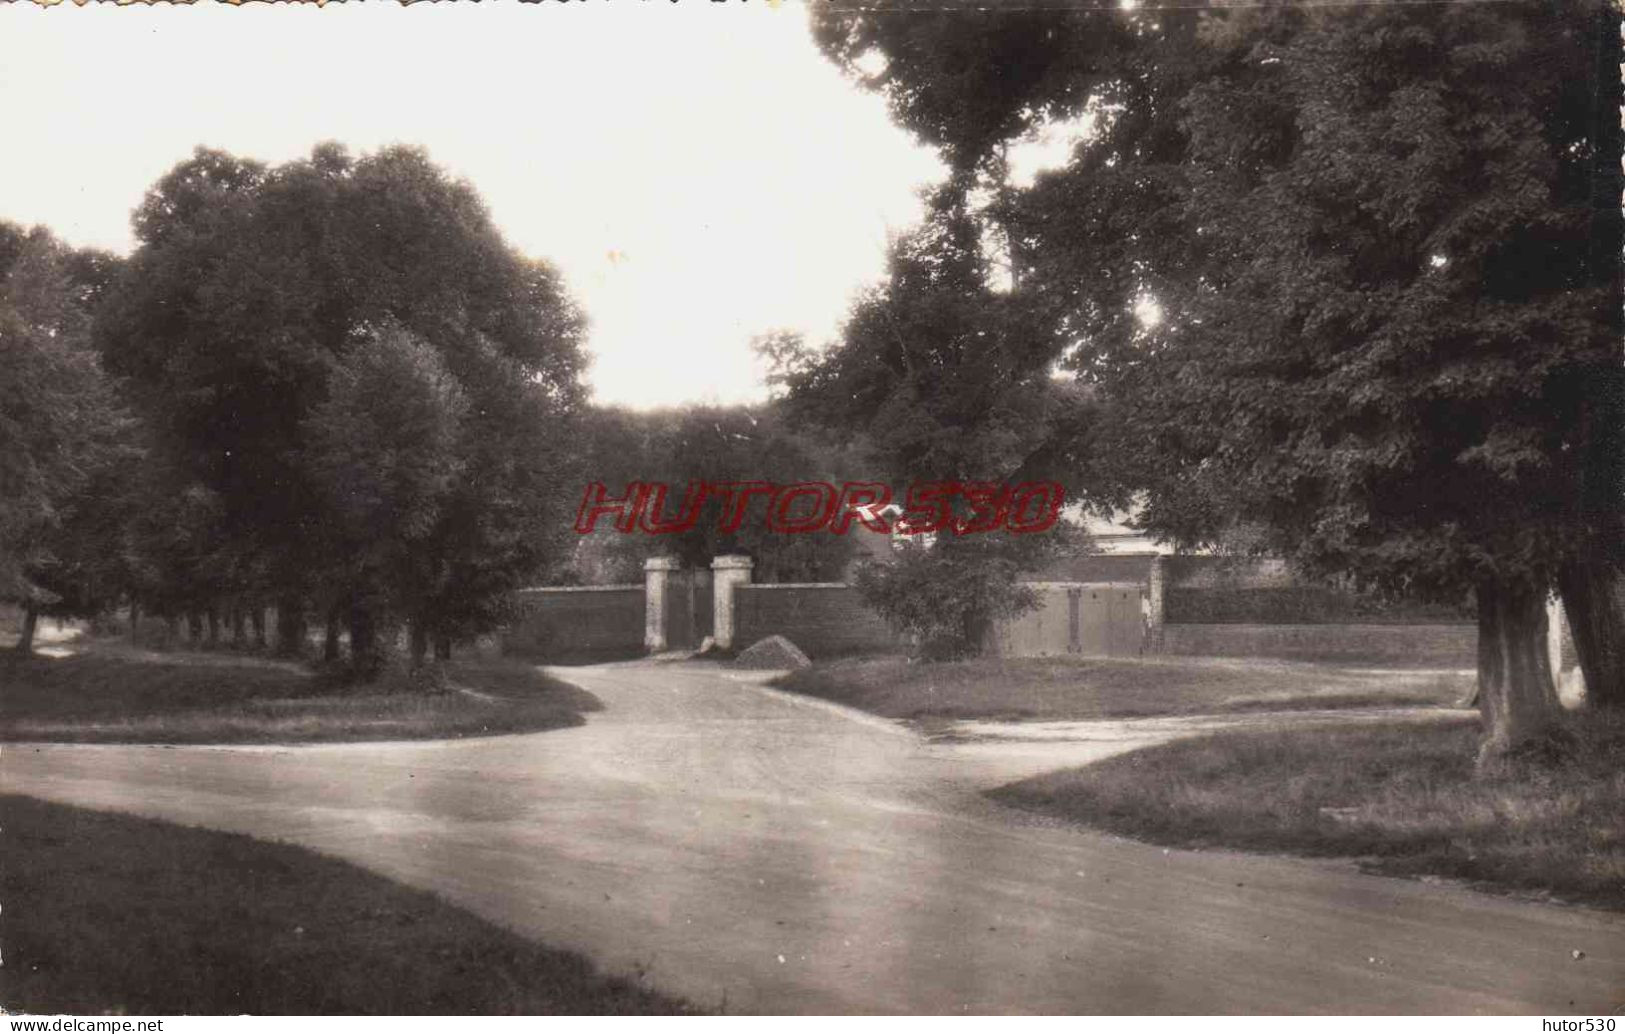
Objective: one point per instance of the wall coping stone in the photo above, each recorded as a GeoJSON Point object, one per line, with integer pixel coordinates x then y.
{"type": "Point", "coordinates": [584, 588]}
{"type": "Point", "coordinates": [1388, 626]}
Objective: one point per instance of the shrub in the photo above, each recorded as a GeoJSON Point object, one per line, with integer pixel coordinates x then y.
{"type": "Point", "coordinates": [944, 599]}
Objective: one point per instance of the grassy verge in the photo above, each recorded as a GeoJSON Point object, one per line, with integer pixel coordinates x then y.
{"type": "Point", "coordinates": [107, 694]}
{"type": "Point", "coordinates": [1071, 688]}
{"type": "Point", "coordinates": [1402, 798]}
{"type": "Point", "coordinates": [108, 913]}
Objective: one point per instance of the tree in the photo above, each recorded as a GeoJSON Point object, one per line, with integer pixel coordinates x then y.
{"type": "Point", "coordinates": [384, 451]}
{"type": "Point", "coordinates": [697, 445]}
{"type": "Point", "coordinates": [1340, 272]}
{"type": "Point", "coordinates": [63, 434]}
{"type": "Point", "coordinates": [508, 515]}
{"type": "Point", "coordinates": [945, 601]}
{"type": "Point", "coordinates": [944, 378]}
{"type": "Point", "coordinates": [251, 289]}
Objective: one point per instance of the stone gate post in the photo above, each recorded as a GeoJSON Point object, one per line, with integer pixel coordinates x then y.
{"type": "Point", "coordinates": [656, 580]}
{"type": "Point", "coordinates": [1155, 601]}
{"type": "Point", "coordinates": [726, 573]}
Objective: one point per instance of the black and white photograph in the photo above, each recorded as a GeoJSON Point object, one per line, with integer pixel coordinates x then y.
{"type": "Point", "coordinates": [809, 508]}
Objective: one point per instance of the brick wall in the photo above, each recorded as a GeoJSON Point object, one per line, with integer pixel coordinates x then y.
{"type": "Point", "coordinates": [590, 623]}
{"type": "Point", "coordinates": [1296, 605]}
{"type": "Point", "coordinates": [1215, 590]}
{"type": "Point", "coordinates": [1419, 645]}
{"type": "Point", "coordinates": [825, 619]}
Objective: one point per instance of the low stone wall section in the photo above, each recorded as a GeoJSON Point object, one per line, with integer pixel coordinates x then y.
{"type": "Point", "coordinates": [1422, 646]}
{"type": "Point", "coordinates": [578, 624]}
{"type": "Point", "coordinates": [824, 619]}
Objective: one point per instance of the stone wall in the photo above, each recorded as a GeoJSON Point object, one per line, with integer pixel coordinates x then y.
{"type": "Point", "coordinates": [578, 624]}
{"type": "Point", "coordinates": [1211, 606]}
{"type": "Point", "coordinates": [1414, 645]}
{"type": "Point", "coordinates": [1214, 590]}
{"type": "Point", "coordinates": [825, 619]}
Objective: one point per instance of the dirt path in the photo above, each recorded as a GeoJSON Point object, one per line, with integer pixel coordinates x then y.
{"type": "Point", "coordinates": [740, 845]}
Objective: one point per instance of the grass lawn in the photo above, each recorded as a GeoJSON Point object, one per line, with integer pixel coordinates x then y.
{"type": "Point", "coordinates": [1076, 688]}
{"type": "Point", "coordinates": [109, 913]}
{"type": "Point", "coordinates": [107, 693]}
{"type": "Point", "coordinates": [1402, 798]}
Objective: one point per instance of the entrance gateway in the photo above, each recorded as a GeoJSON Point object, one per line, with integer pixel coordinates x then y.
{"type": "Point", "coordinates": [1087, 619]}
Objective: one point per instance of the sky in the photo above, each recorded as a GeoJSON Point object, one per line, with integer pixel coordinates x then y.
{"type": "Point", "coordinates": [699, 172]}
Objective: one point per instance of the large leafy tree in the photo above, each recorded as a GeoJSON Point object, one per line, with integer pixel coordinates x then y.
{"type": "Point", "coordinates": [250, 292]}
{"type": "Point", "coordinates": [383, 450]}
{"type": "Point", "coordinates": [65, 451]}
{"type": "Point", "coordinates": [946, 378]}
{"type": "Point", "coordinates": [508, 515]}
{"type": "Point", "coordinates": [1352, 274]}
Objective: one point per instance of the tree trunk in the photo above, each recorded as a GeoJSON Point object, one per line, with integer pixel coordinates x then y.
{"type": "Point", "coordinates": [420, 644]}
{"type": "Point", "coordinates": [1515, 692]}
{"type": "Point", "coordinates": [365, 657]}
{"type": "Point", "coordinates": [442, 647]}
{"type": "Point", "coordinates": [25, 636]}
{"type": "Point", "coordinates": [256, 617]}
{"type": "Point", "coordinates": [135, 621]}
{"type": "Point", "coordinates": [239, 628]}
{"type": "Point", "coordinates": [172, 630]}
{"type": "Point", "coordinates": [1594, 602]}
{"type": "Point", "coordinates": [194, 627]}
{"type": "Point", "coordinates": [290, 626]}
{"type": "Point", "coordinates": [214, 627]}
{"type": "Point", "coordinates": [330, 643]}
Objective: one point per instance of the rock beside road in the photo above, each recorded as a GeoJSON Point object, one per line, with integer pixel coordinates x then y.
{"type": "Point", "coordinates": [774, 652]}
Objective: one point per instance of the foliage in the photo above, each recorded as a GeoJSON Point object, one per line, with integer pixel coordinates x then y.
{"type": "Point", "coordinates": [939, 375]}
{"type": "Point", "coordinates": [383, 455]}
{"type": "Point", "coordinates": [713, 444]}
{"type": "Point", "coordinates": [1340, 273]}
{"type": "Point", "coordinates": [945, 599]}
{"type": "Point", "coordinates": [944, 378]}
{"type": "Point", "coordinates": [363, 387]}
{"type": "Point", "coordinates": [1378, 332]}
{"type": "Point", "coordinates": [64, 432]}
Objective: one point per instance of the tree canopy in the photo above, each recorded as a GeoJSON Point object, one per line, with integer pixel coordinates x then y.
{"type": "Point", "coordinates": [1349, 274]}
{"type": "Point", "coordinates": [344, 362]}
{"type": "Point", "coordinates": [64, 433]}
{"type": "Point", "coordinates": [696, 445]}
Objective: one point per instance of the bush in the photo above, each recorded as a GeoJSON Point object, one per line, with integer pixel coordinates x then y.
{"type": "Point", "coordinates": [945, 599]}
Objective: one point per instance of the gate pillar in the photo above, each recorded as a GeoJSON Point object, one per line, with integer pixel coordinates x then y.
{"type": "Point", "coordinates": [726, 573]}
{"type": "Point", "coordinates": [1155, 604]}
{"type": "Point", "coordinates": [656, 582]}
